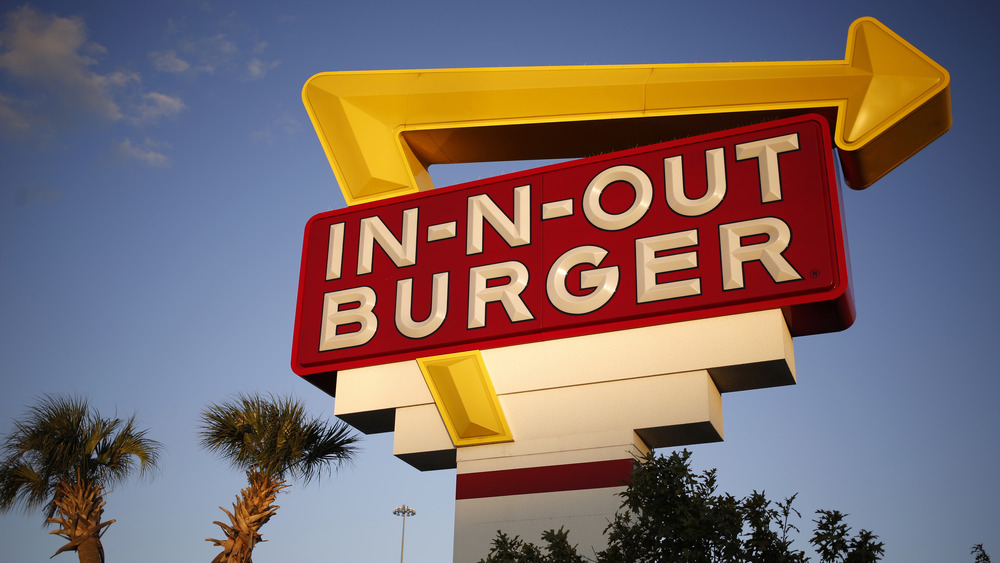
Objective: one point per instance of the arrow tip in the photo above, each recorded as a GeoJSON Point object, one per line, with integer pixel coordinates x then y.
{"type": "Point", "coordinates": [902, 79]}
{"type": "Point", "coordinates": [902, 106]}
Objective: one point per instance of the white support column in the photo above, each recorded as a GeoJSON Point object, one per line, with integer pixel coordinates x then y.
{"type": "Point", "coordinates": [579, 410]}
{"type": "Point", "coordinates": [573, 451]}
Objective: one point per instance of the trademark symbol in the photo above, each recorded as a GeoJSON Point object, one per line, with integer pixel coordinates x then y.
{"type": "Point", "coordinates": [814, 274]}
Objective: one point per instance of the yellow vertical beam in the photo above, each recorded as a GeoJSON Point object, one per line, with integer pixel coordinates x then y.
{"type": "Point", "coordinates": [465, 397]}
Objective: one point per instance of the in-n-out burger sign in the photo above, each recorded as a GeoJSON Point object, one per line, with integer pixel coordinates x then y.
{"type": "Point", "coordinates": [742, 220]}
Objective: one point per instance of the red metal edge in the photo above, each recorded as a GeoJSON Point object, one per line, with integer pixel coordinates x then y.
{"type": "Point", "coordinates": [324, 379]}
{"type": "Point", "coordinates": [546, 479]}
{"type": "Point", "coordinates": [839, 312]}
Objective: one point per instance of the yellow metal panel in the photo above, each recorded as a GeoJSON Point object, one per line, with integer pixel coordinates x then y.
{"type": "Point", "coordinates": [382, 129]}
{"type": "Point", "coordinates": [465, 397]}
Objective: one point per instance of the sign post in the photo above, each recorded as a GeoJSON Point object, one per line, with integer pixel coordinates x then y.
{"type": "Point", "coordinates": [495, 326]}
{"type": "Point", "coordinates": [538, 330]}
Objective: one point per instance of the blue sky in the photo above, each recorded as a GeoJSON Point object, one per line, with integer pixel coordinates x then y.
{"type": "Point", "coordinates": [158, 169]}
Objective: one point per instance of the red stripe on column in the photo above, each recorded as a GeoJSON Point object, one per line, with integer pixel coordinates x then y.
{"type": "Point", "coordinates": [548, 479]}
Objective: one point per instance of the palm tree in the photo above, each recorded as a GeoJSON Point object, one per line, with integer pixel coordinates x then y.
{"type": "Point", "coordinates": [62, 456]}
{"type": "Point", "coordinates": [270, 438]}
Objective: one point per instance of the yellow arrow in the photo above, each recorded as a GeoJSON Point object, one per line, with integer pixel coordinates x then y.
{"type": "Point", "coordinates": [382, 129]}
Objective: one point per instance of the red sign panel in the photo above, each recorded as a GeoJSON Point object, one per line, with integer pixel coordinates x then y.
{"type": "Point", "coordinates": [737, 221]}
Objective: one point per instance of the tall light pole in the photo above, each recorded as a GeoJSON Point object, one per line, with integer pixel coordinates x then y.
{"type": "Point", "coordinates": [403, 511]}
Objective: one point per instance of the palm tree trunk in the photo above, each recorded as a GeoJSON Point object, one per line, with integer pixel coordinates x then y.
{"type": "Point", "coordinates": [91, 551]}
{"type": "Point", "coordinates": [252, 509]}
{"type": "Point", "coordinates": [78, 508]}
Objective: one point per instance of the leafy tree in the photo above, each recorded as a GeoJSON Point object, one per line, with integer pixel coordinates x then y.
{"type": "Point", "coordinates": [669, 513]}
{"type": "Point", "coordinates": [761, 542]}
{"type": "Point", "coordinates": [834, 544]}
{"type": "Point", "coordinates": [980, 553]}
{"type": "Point", "coordinates": [510, 550]}
{"type": "Point", "coordinates": [270, 438]}
{"type": "Point", "coordinates": [61, 457]}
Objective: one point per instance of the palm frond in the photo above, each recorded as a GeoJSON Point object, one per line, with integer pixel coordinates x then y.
{"type": "Point", "coordinates": [120, 454]}
{"type": "Point", "coordinates": [326, 447]}
{"type": "Point", "coordinates": [22, 487]}
{"type": "Point", "coordinates": [275, 435]}
{"type": "Point", "coordinates": [62, 440]}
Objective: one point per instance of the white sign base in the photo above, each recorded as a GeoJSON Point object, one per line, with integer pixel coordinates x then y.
{"type": "Point", "coordinates": [579, 410]}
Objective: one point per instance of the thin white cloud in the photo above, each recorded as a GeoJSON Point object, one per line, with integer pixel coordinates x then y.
{"type": "Point", "coordinates": [209, 55]}
{"type": "Point", "coordinates": [256, 68]}
{"type": "Point", "coordinates": [51, 53]}
{"type": "Point", "coordinates": [168, 61]}
{"type": "Point", "coordinates": [155, 106]}
{"type": "Point", "coordinates": [35, 193]}
{"type": "Point", "coordinates": [15, 123]}
{"type": "Point", "coordinates": [285, 124]}
{"type": "Point", "coordinates": [236, 50]}
{"type": "Point", "coordinates": [52, 66]}
{"type": "Point", "coordinates": [146, 154]}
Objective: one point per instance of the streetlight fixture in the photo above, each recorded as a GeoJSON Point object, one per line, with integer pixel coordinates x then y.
{"type": "Point", "coordinates": [403, 511]}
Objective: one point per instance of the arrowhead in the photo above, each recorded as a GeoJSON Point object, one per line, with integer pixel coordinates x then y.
{"type": "Point", "coordinates": [902, 80]}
